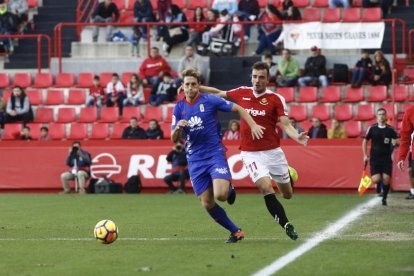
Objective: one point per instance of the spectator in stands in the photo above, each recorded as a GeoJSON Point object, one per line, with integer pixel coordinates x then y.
{"type": "Point", "coordinates": [233, 131]}
{"type": "Point", "coordinates": [154, 131]}
{"type": "Point", "coordinates": [296, 125]}
{"type": "Point", "coordinates": [166, 90]}
{"type": "Point", "coordinates": [217, 30]}
{"type": "Point", "coordinates": [268, 58]}
{"type": "Point", "coordinates": [96, 94]}
{"type": "Point", "coordinates": [315, 69]}
{"type": "Point", "coordinates": [79, 160]}
{"type": "Point", "coordinates": [44, 134]}
{"type": "Point", "coordinates": [105, 12]}
{"type": "Point", "coordinates": [153, 68]}
{"type": "Point", "coordinates": [135, 37]}
{"type": "Point", "coordinates": [229, 5]}
{"type": "Point", "coordinates": [143, 12]}
{"type": "Point", "coordinates": [291, 14]}
{"type": "Point", "coordinates": [212, 20]}
{"type": "Point", "coordinates": [18, 107]}
{"type": "Point", "coordinates": [133, 131]}
{"type": "Point", "coordinates": [174, 35]}
{"type": "Point", "coordinates": [163, 7]}
{"type": "Point", "coordinates": [135, 92]}
{"type": "Point", "coordinates": [381, 70]}
{"type": "Point", "coordinates": [362, 69]}
{"type": "Point", "coordinates": [269, 32]}
{"type": "Point", "coordinates": [2, 111]}
{"type": "Point", "coordinates": [338, 3]}
{"type": "Point", "coordinates": [318, 129]}
{"type": "Point", "coordinates": [196, 30]}
{"type": "Point", "coordinates": [385, 5]}
{"type": "Point", "coordinates": [115, 92]}
{"type": "Point", "coordinates": [8, 26]}
{"type": "Point", "coordinates": [179, 169]}
{"type": "Point", "coordinates": [20, 9]}
{"type": "Point", "coordinates": [190, 60]}
{"type": "Point", "coordinates": [25, 134]}
{"type": "Point", "coordinates": [289, 70]}
{"type": "Point", "coordinates": [249, 10]}
{"type": "Point", "coordinates": [337, 131]}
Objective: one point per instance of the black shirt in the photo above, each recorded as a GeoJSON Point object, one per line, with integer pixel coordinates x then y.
{"type": "Point", "coordinates": [106, 11]}
{"type": "Point", "coordinates": [134, 133]}
{"type": "Point", "coordinates": [381, 146]}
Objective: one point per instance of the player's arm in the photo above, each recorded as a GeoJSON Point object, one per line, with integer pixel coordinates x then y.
{"type": "Point", "coordinates": [178, 130]}
{"type": "Point", "coordinates": [257, 130]}
{"type": "Point", "coordinates": [214, 91]}
{"type": "Point", "coordinates": [364, 150]}
{"type": "Point", "coordinates": [301, 138]}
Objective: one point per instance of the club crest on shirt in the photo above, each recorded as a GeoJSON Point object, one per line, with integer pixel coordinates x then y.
{"type": "Point", "coordinates": [202, 107]}
{"type": "Point", "coordinates": [264, 101]}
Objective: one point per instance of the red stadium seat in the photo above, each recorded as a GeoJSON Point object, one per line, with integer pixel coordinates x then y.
{"type": "Point", "coordinates": [320, 3]}
{"type": "Point", "coordinates": [168, 118]}
{"type": "Point", "coordinates": [343, 112]}
{"type": "Point", "coordinates": [287, 92]}
{"type": "Point", "coordinates": [353, 128]}
{"type": "Point", "coordinates": [377, 93]}
{"type": "Point", "coordinates": [131, 111]}
{"type": "Point", "coordinates": [66, 115]}
{"type": "Point", "coordinates": [35, 96]}
{"type": "Point", "coordinates": [125, 77]}
{"type": "Point", "coordinates": [130, 6]}
{"type": "Point", "coordinates": [301, 3]}
{"type": "Point", "coordinates": [147, 93]}
{"type": "Point", "coordinates": [352, 15]}
{"type": "Point", "coordinates": [88, 115]}
{"type": "Point", "coordinates": [322, 111]}
{"type": "Point", "coordinates": [400, 93]}
{"type": "Point", "coordinates": [22, 79]}
{"type": "Point", "coordinates": [154, 4]}
{"type": "Point", "coordinates": [371, 14]}
{"type": "Point", "coordinates": [57, 131]}
{"type": "Point", "coordinates": [299, 112]}
{"type": "Point", "coordinates": [120, 4]}
{"type": "Point", "coordinates": [365, 112]}
{"type": "Point", "coordinates": [76, 97]}
{"type": "Point", "coordinates": [117, 130]}
{"type": "Point", "coordinates": [126, 17]}
{"type": "Point", "coordinates": [4, 80]}
{"type": "Point", "coordinates": [44, 115]}
{"type": "Point", "coordinates": [85, 80]}
{"type": "Point", "coordinates": [332, 15]}
{"type": "Point", "coordinates": [105, 78]}
{"type": "Point", "coordinates": [263, 3]}
{"type": "Point", "coordinates": [409, 72]}
{"type": "Point", "coordinates": [356, 3]}
{"type": "Point", "coordinates": [197, 3]}
{"type": "Point", "coordinates": [12, 131]}
{"type": "Point", "coordinates": [308, 95]}
{"type": "Point", "coordinates": [389, 108]}
{"type": "Point", "coordinates": [109, 114]}
{"type": "Point", "coordinates": [182, 4]}
{"type": "Point", "coordinates": [35, 130]}
{"type": "Point", "coordinates": [189, 14]}
{"type": "Point", "coordinates": [405, 107]}
{"type": "Point", "coordinates": [331, 94]}
{"type": "Point", "coordinates": [166, 129]}
{"type": "Point", "coordinates": [99, 131]}
{"type": "Point", "coordinates": [354, 95]}
{"type": "Point", "coordinates": [306, 125]}
{"type": "Point", "coordinates": [43, 80]}
{"type": "Point", "coordinates": [153, 112]}
{"type": "Point", "coordinates": [55, 97]}
{"type": "Point", "coordinates": [33, 3]}
{"type": "Point", "coordinates": [311, 14]}
{"type": "Point", "coordinates": [65, 80]}
{"type": "Point", "coordinates": [6, 95]}
{"type": "Point", "coordinates": [78, 131]}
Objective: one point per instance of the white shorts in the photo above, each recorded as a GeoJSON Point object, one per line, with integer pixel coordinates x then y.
{"type": "Point", "coordinates": [268, 163]}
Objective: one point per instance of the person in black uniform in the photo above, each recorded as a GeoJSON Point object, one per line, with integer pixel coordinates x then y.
{"type": "Point", "coordinates": [384, 138]}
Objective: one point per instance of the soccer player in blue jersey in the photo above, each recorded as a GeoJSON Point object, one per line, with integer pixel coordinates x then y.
{"type": "Point", "coordinates": [195, 117]}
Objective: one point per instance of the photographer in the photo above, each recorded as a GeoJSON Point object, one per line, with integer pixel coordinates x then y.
{"type": "Point", "coordinates": [179, 169]}
{"type": "Point", "coordinates": [79, 160]}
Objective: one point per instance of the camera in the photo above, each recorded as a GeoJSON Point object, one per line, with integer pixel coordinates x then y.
{"type": "Point", "coordinates": [74, 151]}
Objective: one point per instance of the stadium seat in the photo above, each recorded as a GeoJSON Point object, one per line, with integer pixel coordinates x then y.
{"type": "Point", "coordinates": [120, 4]}
{"type": "Point", "coordinates": [57, 131]}
{"type": "Point", "coordinates": [389, 108]}
{"type": "Point", "coordinates": [299, 112]}
{"type": "Point", "coordinates": [78, 131]}
{"type": "Point", "coordinates": [43, 80]}
{"type": "Point", "coordinates": [311, 14]}
{"type": "Point", "coordinates": [400, 93]}
{"type": "Point", "coordinates": [263, 3]}
{"type": "Point", "coordinates": [371, 14]}
{"type": "Point", "coordinates": [130, 5]}
{"type": "Point", "coordinates": [76, 97]}
{"type": "Point", "coordinates": [131, 111]}
{"type": "Point", "coordinates": [353, 95]}
{"type": "Point", "coordinates": [117, 130]}
{"type": "Point", "coordinates": [44, 115]}
{"type": "Point", "coordinates": [126, 76]}
{"type": "Point", "coordinates": [88, 115]}
{"type": "Point", "coordinates": [154, 4]}
{"type": "Point", "coordinates": [12, 131]}
{"type": "Point", "coordinates": [352, 15]}
{"type": "Point", "coordinates": [301, 3]}
{"type": "Point", "coordinates": [6, 95]}
{"type": "Point", "coordinates": [55, 97]}
{"type": "Point", "coordinates": [287, 92]}
{"type": "Point", "coordinates": [35, 96]}
{"type": "Point", "coordinates": [109, 114]}
{"type": "Point", "coordinates": [353, 128]}
{"type": "Point", "coordinates": [320, 3]}
{"type": "Point", "coordinates": [147, 93]}
{"type": "Point", "coordinates": [405, 107]}
{"type": "Point", "coordinates": [330, 94]}
{"type": "Point", "coordinates": [85, 80]}
{"type": "Point", "coordinates": [343, 112]}
{"type": "Point", "coordinates": [153, 112]}
{"type": "Point", "coordinates": [306, 125]}
{"type": "Point", "coordinates": [35, 130]}
{"type": "Point", "coordinates": [189, 14]}
{"type": "Point", "coordinates": [357, 3]}
{"type": "Point", "coordinates": [409, 73]}
{"type": "Point", "coordinates": [105, 78]}
{"type": "Point", "coordinates": [66, 115]}
{"type": "Point", "coordinates": [182, 4]}
{"type": "Point", "coordinates": [4, 80]}
{"type": "Point", "coordinates": [198, 3]}
{"type": "Point", "coordinates": [365, 112]}
{"type": "Point", "coordinates": [377, 93]}
{"type": "Point", "coordinates": [22, 79]}
{"type": "Point", "coordinates": [308, 95]}
{"type": "Point", "coordinates": [332, 15]}
{"type": "Point", "coordinates": [166, 129]}
{"type": "Point", "coordinates": [99, 131]}
{"type": "Point", "coordinates": [65, 80]}
{"type": "Point", "coordinates": [168, 118]}
{"type": "Point", "coordinates": [32, 4]}
{"type": "Point", "coordinates": [321, 111]}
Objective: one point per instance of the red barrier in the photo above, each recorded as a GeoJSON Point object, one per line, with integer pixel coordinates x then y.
{"type": "Point", "coordinates": [410, 44]}
{"type": "Point", "coordinates": [323, 164]}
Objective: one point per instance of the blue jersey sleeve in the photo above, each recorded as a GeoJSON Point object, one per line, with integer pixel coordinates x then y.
{"type": "Point", "coordinates": [221, 104]}
{"type": "Point", "coordinates": [176, 117]}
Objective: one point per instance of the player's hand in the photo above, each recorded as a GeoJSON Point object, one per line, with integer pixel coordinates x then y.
{"type": "Point", "coordinates": [303, 138]}
{"type": "Point", "coordinates": [181, 124]}
{"type": "Point", "coordinates": [257, 131]}
{"type": "Point", "coordinates": [400, 165]}
{"type": "Point", "coordinates": [366, 159]}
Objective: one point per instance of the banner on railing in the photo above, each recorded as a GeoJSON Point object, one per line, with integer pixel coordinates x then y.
{"type": "Point", "coordinates": [362, 35]}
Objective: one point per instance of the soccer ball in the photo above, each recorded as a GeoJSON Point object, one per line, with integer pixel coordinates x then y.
{"type": "Point", "coordinates": [106, 231]}
{"type": "Point", "coordinates": [293, 173]}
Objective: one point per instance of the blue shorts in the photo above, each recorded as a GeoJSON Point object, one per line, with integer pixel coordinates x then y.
{"type": "Point", "coordinates": [202, 172]}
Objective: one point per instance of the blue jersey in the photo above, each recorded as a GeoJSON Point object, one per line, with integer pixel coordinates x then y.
{"type": "Point", "coordinates": [203, 139]}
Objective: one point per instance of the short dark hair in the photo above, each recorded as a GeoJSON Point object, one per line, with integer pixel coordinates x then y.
{"type": "Point", "coordinates": [155, 48]}
{"type": "Point", "coordinates": [381, 109]}
{"type": "Point", "coordinates": [153, 120]}
{"type": "Point", "coordinates": [191, 72]}
{"type": "Point", "coordinates": [96, 77]}
{"type": "Point", "coordinates": [167, 74]}
{"type": "Point", "coordinates": [287, 50]}
{"type": "Point", "coordinates": [26, 127]}
{"type": "Point", "coordinates": [76, 142]}
{"type": "Point", "coordinates": [133, 118]}
{"type": "Point", "coordinates": [44, 128]}
{"type": "Point", "coordinates": [115, 75]}
{"type": "Point", "coordinates": [261, 66]}
{"type": "Point", "coordinates": [268, 56]}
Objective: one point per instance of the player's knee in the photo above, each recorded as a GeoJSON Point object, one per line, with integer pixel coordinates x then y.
{"type": "Point", "coordinates": [287, 195]}
{"type": "Point", "coordinates": [222, 196]}
{"type": "Point", "coordinates": [208, 203]}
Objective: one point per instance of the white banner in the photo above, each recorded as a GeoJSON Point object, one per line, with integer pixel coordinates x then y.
{"type": "Point", "coordinates": [333, 35]}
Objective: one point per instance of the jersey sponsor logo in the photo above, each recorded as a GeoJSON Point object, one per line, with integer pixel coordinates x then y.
{"type": "Point", "coordinates": [202, 107]}
{"type": "Point", "coordinates": [386, 140]}
{"type": "Point", "coordinates": [222, 170]}
{"type": "Point", "coordinates": [195, 123]}
{"type": "Point", "coordinates": [264, 101]}
{"type": "Point", "coordinates": [255, 112]}
{"type": "Point", "coordinates": [246, 99]}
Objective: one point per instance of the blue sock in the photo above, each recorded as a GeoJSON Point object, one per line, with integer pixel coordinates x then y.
{"type": "Point", "coordinates": [220, 216]}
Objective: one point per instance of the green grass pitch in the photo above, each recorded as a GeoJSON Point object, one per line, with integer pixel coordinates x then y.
{"type": "Point", "coordinates": [173, 235]}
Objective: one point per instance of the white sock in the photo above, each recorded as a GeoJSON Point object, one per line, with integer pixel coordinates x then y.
{"type": "Point", "coordinates": [412, 191]}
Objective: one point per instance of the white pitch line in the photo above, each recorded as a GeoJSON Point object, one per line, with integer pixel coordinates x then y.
{"type": "Point", "coordinates": [329, 232]}
{"type": "Point", "coordinates": [135, 239]}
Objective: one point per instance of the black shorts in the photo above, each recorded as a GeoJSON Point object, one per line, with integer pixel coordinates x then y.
{"type": "Point", "coordinates": [380, 167]}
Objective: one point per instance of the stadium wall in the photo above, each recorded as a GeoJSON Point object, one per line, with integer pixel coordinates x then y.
{"type": "Point", "coordinates": [36, 166]}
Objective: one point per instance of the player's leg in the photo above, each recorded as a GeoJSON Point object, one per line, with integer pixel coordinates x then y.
{"type": "Point", "coordinates": [220, 173]}
{"type": "Point", "coordinates": [277, 165]}
{"type": "Point", "coordinates": [411, 176]}
{"type": "Point", "coordinates": [386, 179]}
